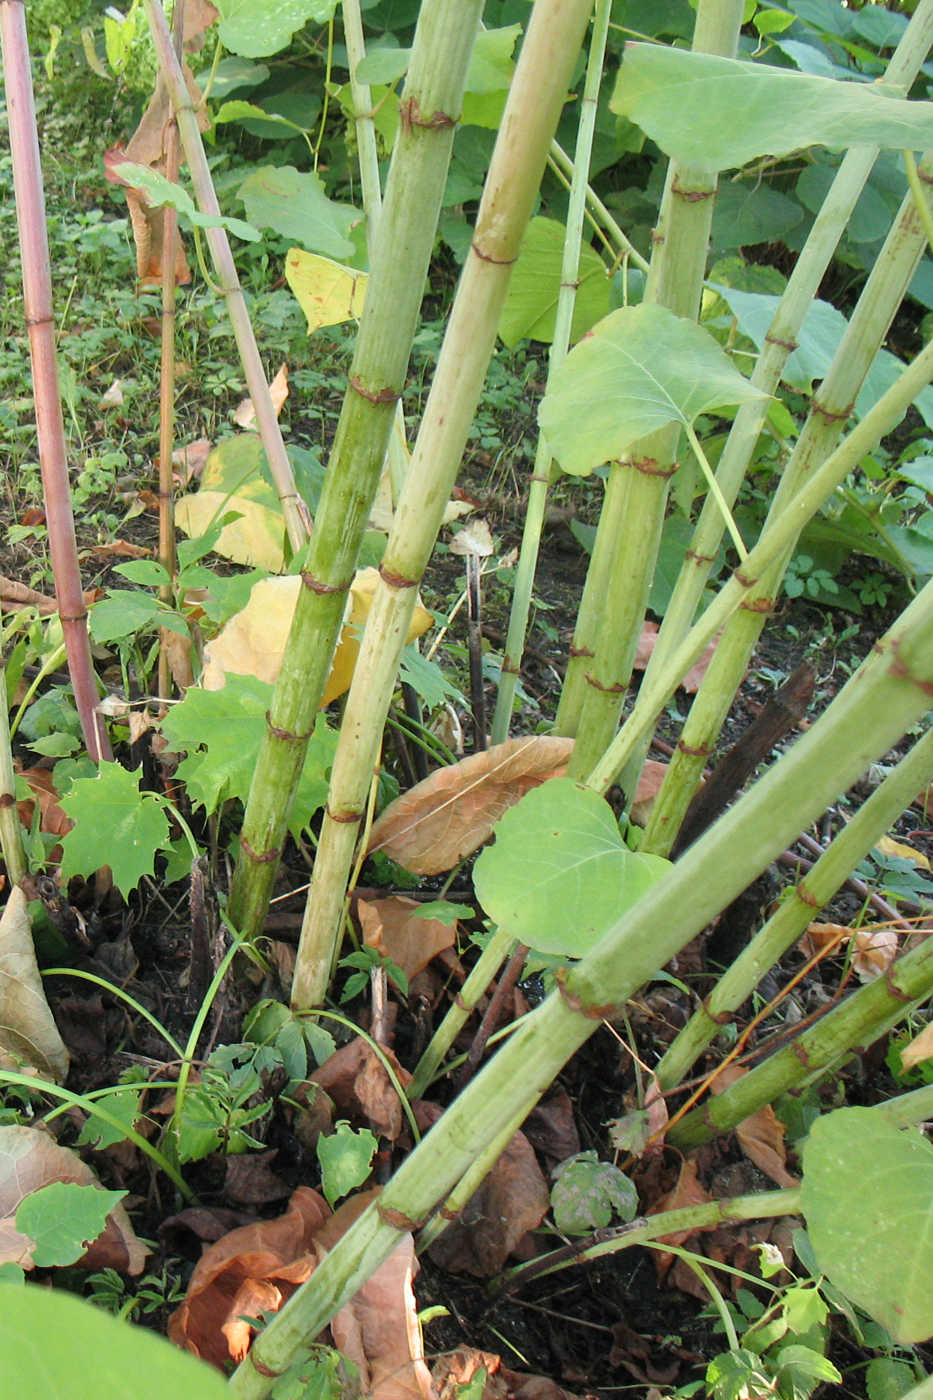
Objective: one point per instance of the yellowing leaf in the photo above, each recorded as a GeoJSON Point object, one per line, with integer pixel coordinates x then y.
{"type": "Point", "coordinates": [449, 815]}
{"type": "Point", "coordinates": [328, 292]}
{"type": "Point", "coordinates": [232, 481]}
{"type": "Point", "coordinates": [245, 415]}
{"type": "Point", "coordinates": [254, 639]}
{"type": "Point", "coordinates": [889, 847]}
{"type": "Point", "coordinates": [29, 1038]}
{"type": "Point", "coordinates": [919, 1049]}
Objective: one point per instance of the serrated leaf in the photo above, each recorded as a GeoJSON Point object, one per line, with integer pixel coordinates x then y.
{"type": "Point", "coordinates": [588, 1192]}
{"type": "Point", "coordinates": [638, 370]}
{"type": "Point", "coordinates": [720, 112]}
{"type": "Point", "coordinates": [346, 1159]}
{"type": "Point", "coordinates": [531, 301]}
{"type": "Point", "coordinates": [559, 874]}
{"type": "Point", "coordinates": [868, 1204]}
{"type": "Point", "coordinates": [256, 28]}
{"type": "Point", "coordinates": [63, 1219]}
{"type": "Point", "coordinates": [114, 824]}
{"type": "Point", "coordinates": [328, 292]}
{"type": "Point", "coordinates": [293, 203]}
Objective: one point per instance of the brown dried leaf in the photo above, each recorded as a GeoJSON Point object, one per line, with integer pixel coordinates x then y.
{"type": "Point", "coordinates": [30, 1158]}
{"type": "Point", "coordinates": [245, 415]}
{"type": "Point", "coordinates": [649, 785]}
{"type": "Point", "coordinates": [691, 681]}
{"type": "Point", "coordinates": [355, 1080]}
{"type": "Point", "coordinates": [449, 815]}
{"type": "Point", "coordinates": [42, 785]}
{"type": "Point", "coordinates": [121, 549]}
{"type": "Point", "coordinates": [253, 1269]}
{"type": "Point", "coordinates": [512, 1200]}
{"type": "Point", "coordinates": [761, 1136]}
{"type": "Point", "coordinates": [395, 928]}
{"type": "Point", "coordinates": [919, 1049]}
{"type": "Point", "coordinates": [873, 952]}
{"type": "Point", "coordinates": [250, 1181]}
{"type": "Point", "coordinates": [29, 1037]}
{"type": "Point", "coordinates": [379, 1331]}
{"type": "Point", "coordinates": [687, 1191]}
{"type": "Point", "coordinates": [190, 459]}
{"type": "Point", "coordinates": [823, 936]}
{"type": "Point", "coordinates": [550, 1127]}
{"type": "Point", "coordinates": [177, 652]}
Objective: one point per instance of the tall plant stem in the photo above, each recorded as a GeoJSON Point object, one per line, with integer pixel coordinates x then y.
{"type": "Point", "coordinates": [481, 974]}
{"type": "Point", "coordinates": [40, 320]}
{"type": "Point", "coordinates": [363, 117]}
{"type": "Point", "coordinates": [293, 508]}
{"type": "Point", "coordinates": [802, 286]}
{"type": "Point", "coordinates": [538, 91]}
{"type": "Point", "coordinates": [430, 110]}
{"type": "Point", "coordinates": [889, 279]}
{"type": "Point", "coordinates": [887, 695]}
{"type": "Point", "coordinates": [167, 556]}
{"type": "Point", "coordinates": [860, 1019]}
{"type": "Point", "coordinates": [11, 833]}
{"type": "Point", "coordinates": [542, 472]}
{"type": "Point", "coordinates": [794, 913]}
{"type": "Point", "coordinates": [885, 415]}
{"type": "Point", "coordinates": [563, 166]}
{"type": "Point", "coordinates": [675, 278]}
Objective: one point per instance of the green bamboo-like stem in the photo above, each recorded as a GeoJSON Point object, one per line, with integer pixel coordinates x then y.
{"type": "Point", "coordinates": [882, 294]}
{"type": "Point", "coordinates": [415, 186]}
{"type": "Point", "coordinates": [888, 694]}
{"type": "Point", "coordinates": [802, 286]}
{"type": "Point", "coordinates": [563, 166]}
{"type": "Point", "coordinates": [794, 913]}
{"type": "Point", "coordinates": [479, 978]}
{"type": "Point", "coordinates": [859, 1020]}
{"type": "Point", "coordinates": [884, 415]}
{"type": "Point", "coordinates": [469, 1183]}
{"type": "Point", "coordinates": [11, 833]}
{"type": "Point", "coordinates": [675, 280]}
{"type": "Point", "coordinates": [167, 557]}
{"type": "Point", "coordinates": [293, 508]}
{"type": "Point", "coordinates": [541, 475]}
{"type": "Point", "coordinates": [363, 117]}
{"type": "Point", "coordinates": [536, 95]}
{"type": "Point", "coordinates": [40, 321]}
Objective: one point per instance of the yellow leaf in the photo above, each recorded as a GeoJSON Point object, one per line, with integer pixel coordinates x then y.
{"type": "Point", "coordinates": [327, 291]}
{"type": "Point", "coordinates": [919, 1049]}
{"type": "Point", "coordinates": [889, 847]}
{"type": "Point", "coordinates": [245, 415]}
{"type": "Point", "coordinates": [257, 539]}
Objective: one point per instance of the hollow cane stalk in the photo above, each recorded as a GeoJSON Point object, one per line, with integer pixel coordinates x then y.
{"type": "Point", "coordinates": [430, 109]}
{"type": "Point", "coordinates": [609, 626]}
{"type": "Point", "coordinates": [536, 95]}
{"type": "Point", "coordinates": [795, 912]}
{"type": "Point", "coordinates": [293, 508]}
{"type": "Point", "coordinates": [887, 695]}
{"type": "Point", "coordinates": [864, 1016]}
{"type": "Point", "coordinates": [542, 471]}
{"type": "Point", "coordinates": [40, 321]}
{"type": "Point", "coordinates": [881, 296]}
{"type": "Point", "coordinates": [11, 833]}
{"type": "Point", "coordinates": [885, 415]}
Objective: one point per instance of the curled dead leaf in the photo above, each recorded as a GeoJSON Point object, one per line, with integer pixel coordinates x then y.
{"type": "Point", "coordinates": [355, 1080]}
{"type": "Point", "coordinates": [395, 928]}
{"type": "Point", "coordinates": [873, 952]}
{"type": "Point", "coordinates": [449, 815]}
{"type": "Point", "coordinates": [761, 1136]}
{"type": "Point", "coordinates": [29, 1038]}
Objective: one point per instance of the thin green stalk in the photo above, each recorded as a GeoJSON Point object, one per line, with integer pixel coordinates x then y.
{"type": "Point", "coordinates": [876, 707]}
{"type": "Point", "coordinates": [363, 118]}
{"type": "Point", "coordinates": [861, 1019]}
{"type": "Point", "coordinates": [480, 976]}
{"type": "Point", "coordinates": [542, 471]}
{"type": "Point", "coordinates": [297, 522]}
{"type": "Point", "coordinates": [802, 286]}
{"type": "Point", "coordinates": [652, 697]}
{"type": "Point", "coordinates": [433, 95]}
{"type": "Point", "coordinates": [625, 249]}
{"type": "Point", "coordinates": [795, 912]}
{"type": "Point", "coordinates": [886, 286]}
{"type": "Point", "coordinates": [675, 280]}
{"type": "Point", "coordinates": [536, 95]}
{"type": "Point", "coordinates": [124, 996]}
{"type": "Point", "coordinates": [11, 833]}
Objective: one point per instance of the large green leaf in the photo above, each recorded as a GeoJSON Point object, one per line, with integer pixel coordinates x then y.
{"type": "Point", "coordinates": [255, 28]}
{"type": "Point", "coordinates": [60, 1348]}
{"type": "Point", "coordinates": [559, 874]}
{"type": "Point", "coordinates": [638, 370]}
{"type": "Point", "coordinates": [531, 301]}
{"type": "Point", "coordinates": [817, 341]}
{"type": "Point", "coordinates": [868, 1203]}
{"type": "Point", "coordinates": [720, 112]}
{"type": "Point", "coordinates": [293, 203]}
